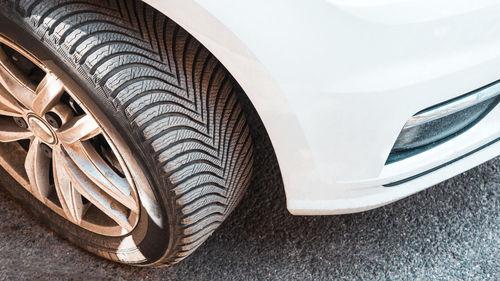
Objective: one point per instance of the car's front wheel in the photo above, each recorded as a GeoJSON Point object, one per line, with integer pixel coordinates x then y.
{"type": "Point", "coordinates": [124, 132]}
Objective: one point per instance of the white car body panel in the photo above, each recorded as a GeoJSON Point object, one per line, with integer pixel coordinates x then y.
{"type": "Point", "coordinates": [335, 81]}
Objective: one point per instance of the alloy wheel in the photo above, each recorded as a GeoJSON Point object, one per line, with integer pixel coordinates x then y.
{"type": "Point", "coordinates": [58, 151]}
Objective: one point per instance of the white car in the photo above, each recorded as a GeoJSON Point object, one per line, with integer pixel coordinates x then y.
{"type": "Point", "coordinates": [123, 120]}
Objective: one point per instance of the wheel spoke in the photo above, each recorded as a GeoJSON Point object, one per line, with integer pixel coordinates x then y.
{"type": "Point", "coordinates": [10, 132]}
{"type": "Point", "coordinates": [95, 168]}
{"type": "Point", "coordinates": [48, 93]}
{"type": "Point", "coordinates": [37, 167]}
{"type": "Point", "coordinates": [86, 187]}
{"type": "Point", "coordinates": [69, 197]}
{"type": "Point", "coordinates": [15, 83]}
{"type": "Point", "coordinates": [79, 128]}
{"type": "Point", "coordinates": [8, 105]}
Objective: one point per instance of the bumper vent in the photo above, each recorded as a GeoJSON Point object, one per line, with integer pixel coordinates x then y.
{"type": "Point", "coordinates": [444, 121]}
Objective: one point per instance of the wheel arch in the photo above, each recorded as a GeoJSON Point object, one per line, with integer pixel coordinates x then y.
{"type": "Point", "coordinates": [263, 93]}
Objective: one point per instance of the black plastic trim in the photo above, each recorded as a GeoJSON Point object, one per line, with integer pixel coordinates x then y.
{"type": "Point", "coordinates": [440, 166]}
{"type": "Point", "coordinates": [396, 156]}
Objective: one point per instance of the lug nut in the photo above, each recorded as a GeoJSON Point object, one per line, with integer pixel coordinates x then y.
{"type": "Point", "coordinates": [53, 119]}
{"type": "Point", "coordinates": [21, 122]}
{"type": "Point", "coordinates": [47, 151]}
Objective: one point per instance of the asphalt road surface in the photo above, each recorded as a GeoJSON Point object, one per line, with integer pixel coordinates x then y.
{"type": "Point", "coordinates": [448, 232]}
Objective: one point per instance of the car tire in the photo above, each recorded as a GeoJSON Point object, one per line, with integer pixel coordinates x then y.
{"type": "Point", "coordinates": [166, 103]}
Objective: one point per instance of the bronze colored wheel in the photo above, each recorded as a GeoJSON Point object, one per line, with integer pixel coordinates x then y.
{"type": "Point", "coordinates": [58, 151]}
{"type": "Point", "coordinates": [133, 149]}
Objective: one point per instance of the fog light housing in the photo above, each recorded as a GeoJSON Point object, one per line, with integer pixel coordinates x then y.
{"type": "Point", "coordinates": [439, 123]}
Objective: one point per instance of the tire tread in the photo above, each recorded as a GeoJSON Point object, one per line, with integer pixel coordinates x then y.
{"type": "Point", "coordinates": [176, 94]}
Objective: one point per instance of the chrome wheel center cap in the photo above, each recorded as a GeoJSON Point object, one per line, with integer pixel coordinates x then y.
{"type": "Point", "coordinates": [41, 129]}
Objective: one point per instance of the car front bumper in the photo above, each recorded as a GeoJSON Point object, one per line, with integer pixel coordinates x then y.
{"type": "Point", "coordinates": [335, 81]}
{"type": "Point", "coordinates": [381, 63]}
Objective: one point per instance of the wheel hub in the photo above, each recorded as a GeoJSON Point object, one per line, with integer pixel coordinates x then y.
{"type": "Point", "coordinates": [41, 129]}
